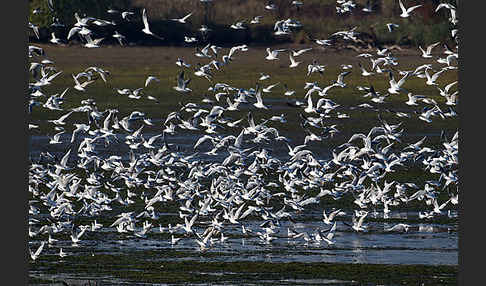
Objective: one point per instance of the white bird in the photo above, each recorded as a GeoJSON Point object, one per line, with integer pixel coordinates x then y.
{"type": "Point", "coordinates": [256, 20]}
{"type": "Point", "coordinates": [80, 86]}
{"type": "Point", "coordinates": [151, 79]}
{"type": "Point", "coordinates": [406, 11]}
{"type": "Point", "coordinates": [76, 237]}
{"type": "Point", "coordinates": [431, 79]}
{"type": "Point", "coordinates": [358, 221]}
{"type": "Point", "coordinates": [180, 62]}
{"type": "Point", "coordinates": [300, 52]}
{"type": "Point", "coordinates": [363, 71]}
{"type": "Point", "coordinates": [35, 255]}
{"type": "Point", "coordinates": [272, 55]}
{"type": "Point", "coordinates": [330, 235]}
{"type": "Point", "coordinates": [340, 79]}
{"type": "Point", "coordinates": [264, 76]}
{"type": "Point", "coordinates": [293, 62]}
{"type": "Point", "coordinates": [412, 99]}
{"type": "Point", "coordinates": [190, 39]}
{"type": "Point", "coordinates": [60, 120]}
{"type": "Point", "coordinates": [146, 28]}
{"type": "Point", "coordinates": [391, 26]}
{"type": "Point", "coordinates": [62, 253]}
{"type": "Point", "coordinates": [126, 14]}
{"type": "Point", "coordinates": [182, 84]}
{"type": "Point", "coordinates": [259, 103]}
{"type": "Point", "coordinates": [400, 227]}
{"type": "Point", "coordinates": [54, 39]}
{"type": "Point", "coordinates": [238, 26]}
{"type": "Point", "coordinates": [183, 19]}
{"type": "Point", "coordinates": [310, 108]}
{"type": "Point", "coordinates": [90, 43]}
{"type": "Point", "coordinates": [270, 87]}
{"type": "Point", "coordinates": [428, 52]}
{"type": "Point", "coordinates": [395, 87]}
{"type": "Point", "coordinates": [56, 137]}
{"type": "Point", "coordinates": [119, 37]}
{"type": "Point", "coordinates": [329, 218]}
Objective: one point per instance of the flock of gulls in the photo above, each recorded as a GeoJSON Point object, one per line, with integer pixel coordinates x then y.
{"type": "Point", "coordinates": [73, 193]}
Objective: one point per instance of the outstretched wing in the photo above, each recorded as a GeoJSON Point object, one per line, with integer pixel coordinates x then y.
{"type": "Point", "coordinates": [144, 18]}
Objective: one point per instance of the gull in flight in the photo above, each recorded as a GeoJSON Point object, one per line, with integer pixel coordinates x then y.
{"type": "Point", "coordinates": [81, 86]}
{"type": "Point", "coordinates": [182, 84]}
{"type": "Point", "coordinates": [119, 37]}
{"type": "Point", "coordinates": [340, 79]}
{"type": "Point", "coordinates": [56, 138]}
{"type": "Point", "coordinates": [330, 235]}
{"type": "Point", "coordinates": [412, 99]}
{"type": "Point", "coordinates": [293, 62]}
{"type": "Point", "coordinates": [60, 120]}
{"type": "Point", "coordinates": [272, 55]}
{"type": "Point", "coordinates": [90, 43]}
{"type": "Point", "coordinates": [406, 11]}
{"type": "Point", "coordinates": [363, 71]}
{"type": "Point", "coordinates": [358, 221]}
{"type": "Point", "coordinates": [54, 39]}
{"type": "Point", "coordinates": [445, 92]}
{"type": "Point", "coordinates": [151, 79]}
{"type": "Point", "coordinates": [395, 87]}
{"type": "Point", "coordinates": [146, 28]}
{"type": "Point", "coordinates": [259, 103]}
{"type": "Point", "coordinates": [256, 20]}
{"type": "Point", "coordinates": [269, 88]}
{"type": "Point", "coordinates": [300, 52]}
{"type": "Point", "coordinates": [126, 14]}
{"type": "Point", "coordinates": [391, 26]}
{"type": "Point", "coordinates": [328, 218]}
{"type": "Point", "coordinates": [180, 62]}
{"type": "Point", "coordinates": [35, 255]}
{"type": "Point", "coordinates": [263, 76]}
{"type": "Point", "coordinates": [315, 67]}
{"type": "Point", "coordinates": [431, 79]}
{"type": "Point", "coordinates": [238, 25]}
{"type": "Point", "coordinates": [183, 19]}
{"type": "Point", "coordinates": [427, 53]}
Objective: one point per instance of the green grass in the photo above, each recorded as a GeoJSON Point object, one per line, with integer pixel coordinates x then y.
{"type": "Point", "coordinates": [129, 67]}
{"type": "Point", "coordinates": [135, 267]}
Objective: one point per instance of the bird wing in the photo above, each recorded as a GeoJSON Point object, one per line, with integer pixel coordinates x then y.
{"type": "Point", "coordinates": [436, 75]}
{"type": "Point", "coordinates": [39, 250]}
{"type": "Point", "coordinates": [309, 101]}
{"type": "Point", "coordinates": [62, 118]}
{"type": "Point", "coordinates": [447, 87]}
{"type": "Point", "coordinates": [187, 16]}
{"type": "Point", "coordinates": [258, 96]}
{"type": "Point", "coordinates": [144, 19]}
{"type": "Point", "coordinates": [84, 84]}
{"type": "Point", "coordinates": [153, 138]}
{"type": "Point", "coordinates": [193, 219]}
{"type": "Point", "coordinates": [430, 47]}
{"type": "Point", "coordinates": [333, 214]}
{"type": "Point", "coordinates": [58, 135]}
{"type": "Point", "coordinates": [292, 60]}
{"type": "Point", "coordinates": [410, 9]}
{"type": "Point", "coordinates": [402, 7]}
{"type": "Point", "coordinates": [403, 79]}
{"type": "Point", "coordinates": [53, 76]}
{"type": "Point", "coordinates": [330, 234]}
{"type": "Point", "coordinates": [239, 139]}
{"type": "Point", "coordinates": [65, 158]}
{"type": "Point", "coordinates": [73, 31]}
